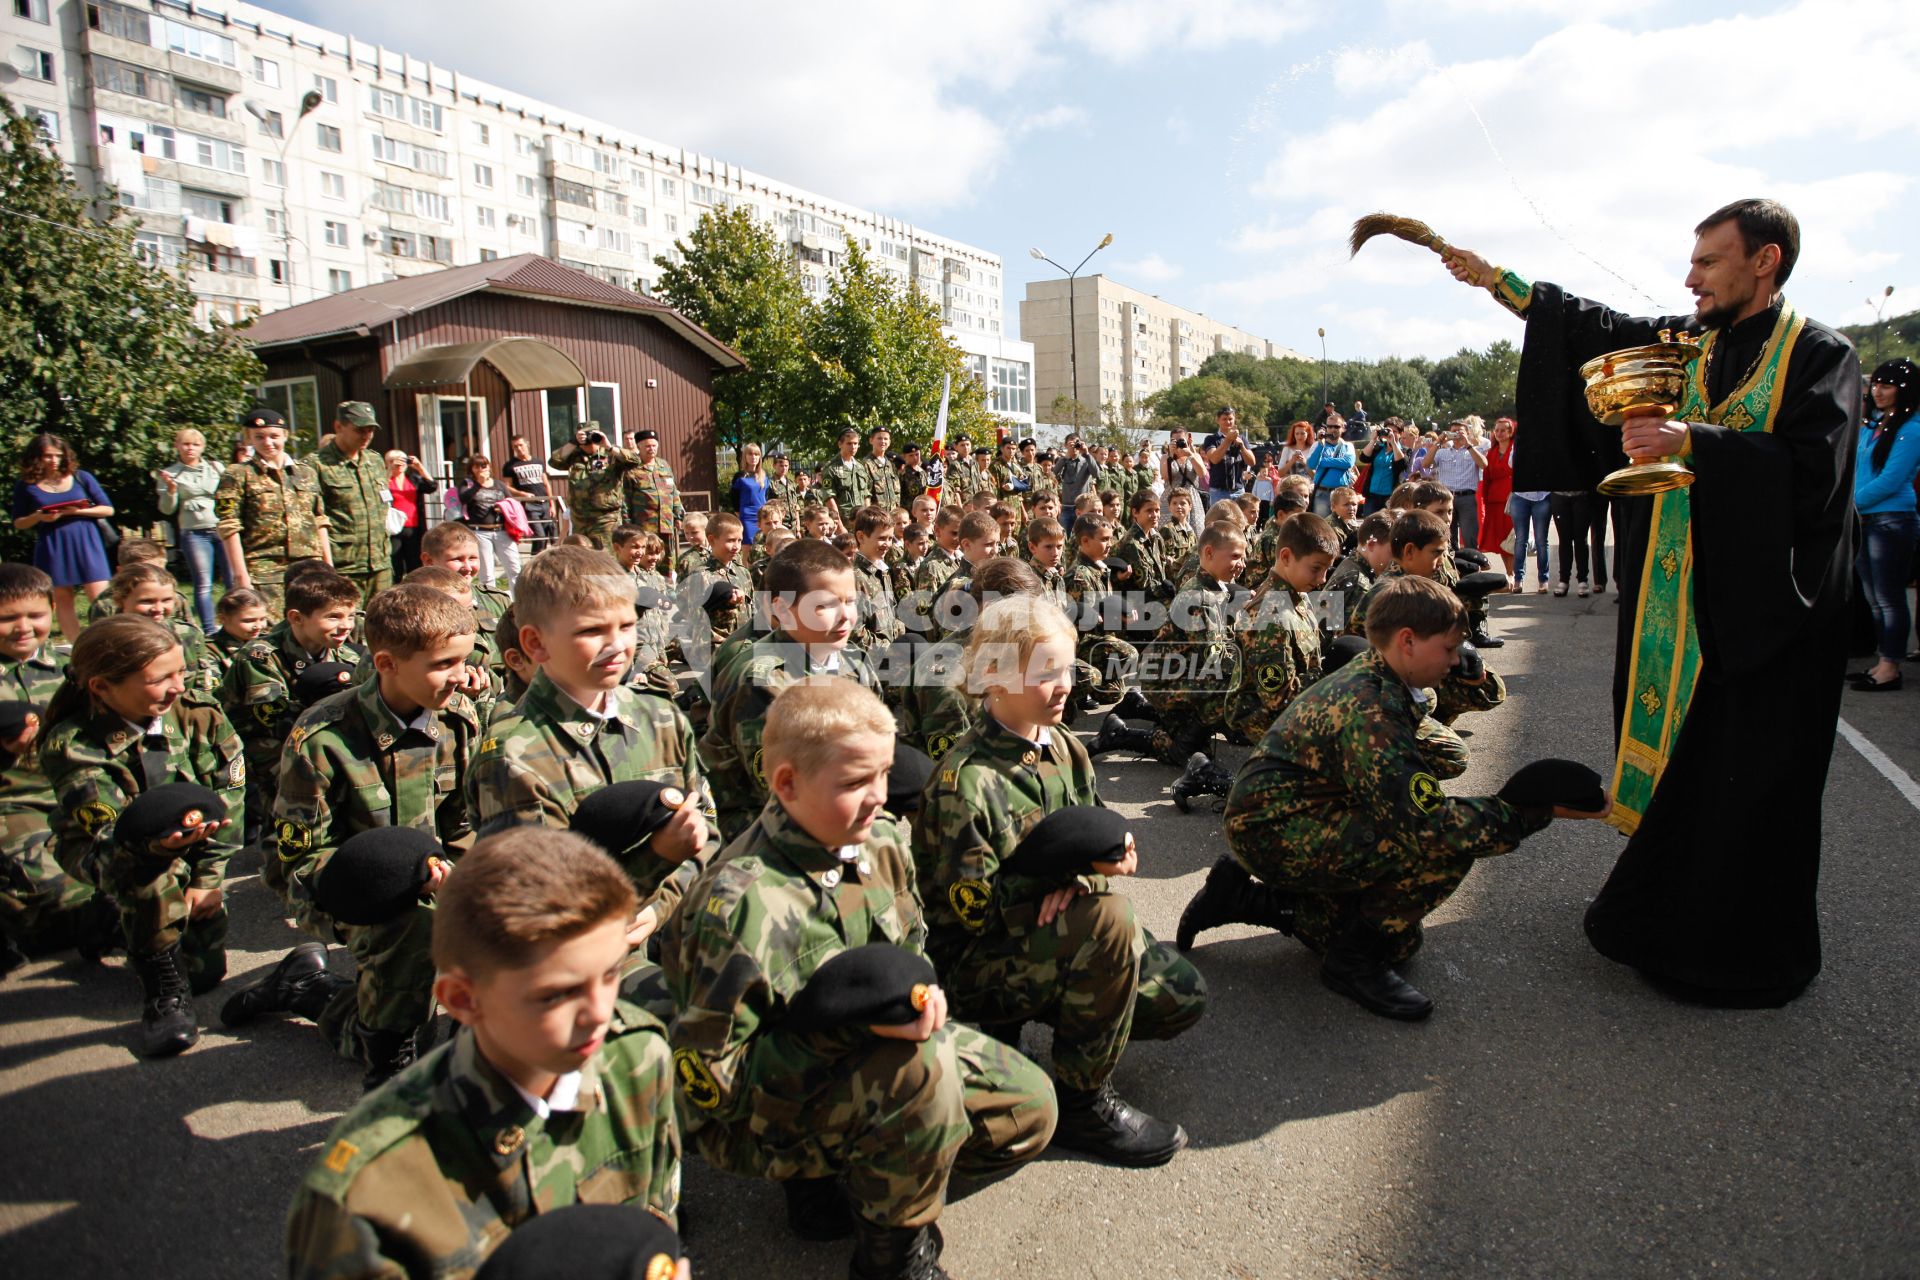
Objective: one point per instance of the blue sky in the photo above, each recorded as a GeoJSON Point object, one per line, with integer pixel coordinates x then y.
{"type": "Point", "coordinates": [1228, 144]}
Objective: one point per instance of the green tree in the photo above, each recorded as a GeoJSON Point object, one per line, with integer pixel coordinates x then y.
{"type": "Point", "coordinates": [95, 344]}
{"type": "Point", "coordinates": [1890, 339]}
{"type": "Point", "coordinates": [737, 281]}
{"type": "Point", "coordinates": [1192, 402]}
{"type": "Point", "coordinates": [1481, 382]}
{"type": "Point", "coordinates": [1067, 411]}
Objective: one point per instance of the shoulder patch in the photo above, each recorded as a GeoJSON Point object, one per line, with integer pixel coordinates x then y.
{"type": "Point", "coordinates": [1424, 790]}
{"type": "Point", "coordinates": [340, 1156]}
{"type": "Point", "coordinates": [94, 815]}
{"type": "Point", "coordinates": [969, 899]}
{"type": "Point", "coordinates": [258, 651]}
{"type": "Point", "coordinates": [696, 1081]}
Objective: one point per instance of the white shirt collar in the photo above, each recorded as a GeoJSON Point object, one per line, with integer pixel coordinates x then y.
{"type": "Point", "coordinates": [564, 1096]}
{"type": "Point", "coordinates": [147, 730]}
{"type": "Point", "coordinates": [421, 722]}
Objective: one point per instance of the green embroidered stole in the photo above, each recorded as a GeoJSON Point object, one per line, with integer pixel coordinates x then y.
{"type": "Point", "coordinates": [1665, 665]}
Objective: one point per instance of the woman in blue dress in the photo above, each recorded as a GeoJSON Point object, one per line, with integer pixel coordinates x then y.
{"type": "Point", "coordinates": [750, 491]}
{"type": "Point", "coordinates": [60, 503]}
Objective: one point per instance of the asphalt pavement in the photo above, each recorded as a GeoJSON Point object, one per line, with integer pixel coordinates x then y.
{"type": "Point", "coordinates": [1555, 1117]}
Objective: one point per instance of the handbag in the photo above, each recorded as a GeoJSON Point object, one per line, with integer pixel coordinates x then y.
{"type": "Point", "coordinates": [109, 536]}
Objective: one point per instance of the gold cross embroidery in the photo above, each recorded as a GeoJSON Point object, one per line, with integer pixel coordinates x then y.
{"type": "Point", "coordinates": [1650, 699]}
{"type": "Point", "coordinates": [1669, 563]}
{"type": "Point", "coordinates": [1738, 418]}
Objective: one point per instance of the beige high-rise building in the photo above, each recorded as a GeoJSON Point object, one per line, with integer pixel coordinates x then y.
{"type": "Point", "coordinates": [1129, 344]}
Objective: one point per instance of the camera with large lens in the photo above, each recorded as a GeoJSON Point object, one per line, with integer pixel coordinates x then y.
{"type": "Point", "coordinates": [596, 437]}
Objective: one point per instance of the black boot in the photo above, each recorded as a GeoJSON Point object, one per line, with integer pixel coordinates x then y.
{"type": "Point", "coordinates": [895, 1253]}
{"type": "Point", "coordinates": [299, 971]}
{"type": "Point", "coordinates": [1484, 639]}
{"type": "Point", "coordinates": [1098, 1122]}
{"type": "Point", "coordinates": [386, 1053]}
{"type": "Point", "coordinates": [1115, 735]}
{"type": "Point", "coordinates": [1231, 896]}
{"type": "Point", "coordinates": [11, 956]}
{"type": "Point", "coordinates": [817, 1209]}
{"type": "Point", "coordinates": [1134, 706]}
{"type": "Point", "coordinates": [96, 929]}
{"type": "Point", "coordinates": [1202, 778]}
{"type": "Point", "coordinates": [1355, 967]}
{"type": "Point", "coordinates": [166, 1011]}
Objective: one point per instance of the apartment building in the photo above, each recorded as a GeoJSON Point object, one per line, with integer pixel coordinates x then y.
{"type": "Point", "coordinates": [282, 162]}
{"type": "Point", "coordinates": [1128, 344]}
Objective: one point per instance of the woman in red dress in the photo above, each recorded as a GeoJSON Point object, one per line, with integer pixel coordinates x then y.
{"type": "Point", "coordinates": [1496, 486]}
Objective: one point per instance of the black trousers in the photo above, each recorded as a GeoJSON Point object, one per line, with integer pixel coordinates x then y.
{"type": "Point", "coordinates": [1580, 520]}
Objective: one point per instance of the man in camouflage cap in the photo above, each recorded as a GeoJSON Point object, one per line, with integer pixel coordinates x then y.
{"type": "Point", "coordinates": [270, 511]}
{"type": "Point", "coordinates": [353, 490]}
{"type": "Point", "coordinates": [595, 470]}
{"type": "Point", "coordinates": [653, 499]}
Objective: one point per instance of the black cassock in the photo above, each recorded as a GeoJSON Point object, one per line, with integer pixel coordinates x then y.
{"type": "Point", "coordinates": [1714, 895]}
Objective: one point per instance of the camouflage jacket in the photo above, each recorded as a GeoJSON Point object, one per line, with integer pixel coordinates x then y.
{"type": "Point", "coordinates": [849, 484]}
{"type": "Point", "coordinates": [992, 788]}
{"type": "Point", "coordinates": [594, 480]}
{"type": "Point", "coordinates": [351, 765]}
{"type": "Point", "coordinates": [934, 706]}
{"type": "Point", "coordinates": [354, 493]}
{"type": "Point", "coordinates": [937, 568]}
{"type": "Point", "coordinates": [656, 624]}
{"type": "Point", "coordinates": [257, 690]}
{"type": "Point", "coordinates": [425, 1176]}
{"type": "Point", "coordinates": [913, 483]}
{"type": "Point", "coordinates": [97, 764]}
{"type": "Point", "coordinates": [1280, 656]}
{"type": "Point", "coordinates": [878, 625]}
{"type": "Point", "coordinates": [691, 561]}
{"type": "Point", "coordinates": [757, 925]}
{"type": "Point", "coordinates": [742, 692]}
{"type": "Point", "coordinates": [785, 489]}
{"type": "Point", "coordinates": [1088, 586]}
{"type": "Point", "coordinates": [725, 619]}
{"type": "Point", "coordinates": [653, 500]}
{"type": "Point", "coordinates": [276, 511]}
{"type": "Point", "coordinates": [1263, 548]}
{"type": "Point", "coordinates": [537, 764]}
{"type": "Point", "coordinates": [1177, 545]}
{"type": "Point", "coordinates": [962, 481]}
{"type": "Point", "coordinates": [900, 576]}
{"type": "Point", "coordinates": [1011, 484]}
{"type": "Point", "coordinates": [1351, 745]}
{"type": "Point", "coordinates": [883, 484]}
{"type": "Point", "coordinates": [34, 679]}
{"type": "Point", "coordinates": [1346, 587]}
{"type": "Point", "coordinates": [1152, 571]}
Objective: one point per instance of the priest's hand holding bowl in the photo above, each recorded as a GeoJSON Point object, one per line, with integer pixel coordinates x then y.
{"type": "Point", "coordinates": [1653, 435]}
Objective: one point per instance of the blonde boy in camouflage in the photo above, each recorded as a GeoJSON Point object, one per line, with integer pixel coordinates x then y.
{"type": "Point", "coordinates": [891, 1109]}
{"type": "Point", "coordinates": [879, 623]}
{"type": "Point", "coordinates": [579, 728]}
{"type": "Point", "coordinates": [393, 751]}
{"type": "Point", "coordinates": [722, 563]}
{"type": "Point", "coordinates": [1014, 948]}
{"type": "Point", "coordinates": [553, 1092]}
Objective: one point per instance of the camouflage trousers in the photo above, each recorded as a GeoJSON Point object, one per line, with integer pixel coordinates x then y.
{"type": "Point", "coordinates": [1339, 864]}
{"type": "Point", "coordinates": [1113, 662]}
{"type": "Point", "coordinates": [1454, 697]}
{"type": "Point", "coordinates": [896, 1118]}
{"type": "Point", "coordinates": [34, 890]}
{"type": "Point", "coordinates": [371, 582]}
{"type": "Point", "coordinates": [597, 527]}
{"type": "Point", "coordinates": [269, 578]}
{"type": "Point", "coordinates": [1094, 975]}
{"type": "Point", "coordinates": [153, 915]}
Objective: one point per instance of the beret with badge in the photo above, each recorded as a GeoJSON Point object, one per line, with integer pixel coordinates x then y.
{"type": "Point", "coordinates": [646, 598]}
{"type": "Point", "coordinates": [171, 809]}
{"type": "Point", "coordinates": [1546, 783]}
{"type": "Point", "coordinates": [622, 817]}
{"type": "Point", "coordinates": [376, 875]}
{"type": "Point", "coordinates": [912, 769]}
{"type": "Point", "coordinates": [1343, 650]}
{"type": "Point", "coordinates": [586, 1242]}
{"type": "Point", "coordinates": [1478, 586]}
{"type": "Point", "coordinates": [878, 985]}
{"type": "Point", "coordinates": [1067, 842]}
{"type": "Point", "coordinates": [320, 679]}
{"type": "Point", "coordinates": [261, 416]}
{"type": "Point", "coordinates": [721, 594]}
{"type": "Point", "coordinates": [13, 717]}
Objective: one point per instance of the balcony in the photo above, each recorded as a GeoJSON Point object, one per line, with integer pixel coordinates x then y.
{"type": "Point", "coordinates": [200, 71]}
{"type": "Point", "coordinates": [554, 167]}
{"type": "Point", "coordinates": [193, 175]}
{"type": "Point", "coordinates": [143, 55]}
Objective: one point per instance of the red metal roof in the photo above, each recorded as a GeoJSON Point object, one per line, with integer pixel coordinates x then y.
{"type": "Point", "coordinates": [365, 309]}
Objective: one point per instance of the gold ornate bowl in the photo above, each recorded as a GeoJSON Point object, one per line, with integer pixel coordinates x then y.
{"type": "Point", "coordinates": [1636, 382]}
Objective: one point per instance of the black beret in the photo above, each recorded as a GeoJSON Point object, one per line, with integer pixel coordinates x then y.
{"type": "Point", "coordinates": [1467, 555]}
{"type": "Point", "coordinates": [878, 985]}
{"type": "Point", "coordinates": [912, 768]}
{"type": "Point", "coordinates": [1115, 566]}
{"type": "Point", "coordinates": [375, 876]}
{"type": "Point", "coordinates": [909, 447]}
{"type": "Point", "coordinates": [586, 1242]}
{"type": "Point", "coordinates": [168, 810]}
{"type": "Point", "coordinates": [1343, 650]}
{"type": "Point", "coordinates": [621, 817]}
{"type": "Point", "coordinates": [261, 416]}
{"type": "Point", "coordinates": [720, 594]}
{"type": "Point", "coordinates": [1478, 586]}
{"type": "Point", "coordinates": [317, 681]}
{"type": "Point", "coordinates": [1067, 842]}
{"type": "Point", "coordinates": [645, 598]}
{"type": "Point", "coordinates": [1472, 665]}
{"type": "Point", "coordinates": [1546, 783]}
{"type": "Point", "coordinates": [647, 434]}
{"type": "Point", "coordinates": [13, 717]}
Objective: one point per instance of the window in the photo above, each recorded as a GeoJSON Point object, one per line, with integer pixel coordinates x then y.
{"type": "Point", "coordinates": [298, 401]}
{"type": "Point", "coordinates": [436, 248]}
{"type": "Point", "coordinates": [158, 250]}
{"type": "Point", "coordinates": [276, 223]}
{"type": "Point", "coordinates": [211, 153]}
{"type": "Point", "coordinates": [391, 198]}
{"type": "Point", "coordinates": [333, 185]}
{"type": "Point", "coordinates": [219, 260]}
{"type": "Point", "coordinates": [327, 137]}
{"type": "Point", "coordinates": [272, 124]}
{"type": "Point", "coordinates": [31, 10]}
{"type": "Point", "coordinates": [614, 202]}
{"type": "Point", "coordinates": [267, 72]}
{"type": "Point", "coordinates": [483, 216]}
{"type": "Point", "coordinates": [1011, 391]}
{"type": "Point", "coordinates": [525, 187]}
{"type": "Point", "coordinates": [329, 88]}
{"type": "Point", "coordinates": [618, 241]}
{"type": "Point", "coordinates": [137, 82]}
{"type": "Point", "coordinates": [48, 120]}
{"type": "Point", "coordinates": [639, 216]}
{"type": "Point", "coordinates": [572, 193]}
{"type": "Point", "coordinates": [34, 64]}
{"type": "Point", "coordinates": [277, 268]}
{"type": "Point", "coordinates": [482, 135]}
{"type": "Point", "coordinates": [195, 43]}
{"type": "Point", "coordinates": [207, 205]}
{"type": "Point", "coordinates": [489, 255]}
{"type": "Point", "coordinates": [666, 188]}
{"type": "Point", "coordinates": [335, 234]}
{"type": "Point", "coordinates": [483, 175]}
{"type": "Point", "coordinates": [568, 231]}
{"type": "Point", "coordinates": [339, 281]}
{"type": "Point", "coordinates": [273, 172]}
{"type": "Point", "coordinates": [155, 140]}
{"type": "Point", "coordinates": [429, 204]}
{"type": "Point", "coordinates": [673, 225]}
{"type": "Point", "coordinates": [524, 146]}
{"type": "Point", "coordinates": [121, 22]}
{"type": "Point", "coordinates": [394, 106]}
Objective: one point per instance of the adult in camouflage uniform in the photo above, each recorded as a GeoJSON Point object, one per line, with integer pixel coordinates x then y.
{"type": "Point", "coordinates": [127, 671]}
{"type": "Point", "coordinates": [892, 1116]}
{"type": "Point", "coordinates": [353, 490]}
{"type": "Point", "coordinates": [883, 478]}
{"type": "Point", "coordinates": [652, 495]}
{"type": "Point", "coordinates": [845, 483]}
{"type": "Point", "coordinates": [1009, 479]}
{"type": "Point", "coordinates": [270, 510]}
{"type": "Point", "coordinates": [962, 479]}
{"type": "Point", "coordinates": [913, 475]}
{"type": "Point", "coordinates": [596, 471]}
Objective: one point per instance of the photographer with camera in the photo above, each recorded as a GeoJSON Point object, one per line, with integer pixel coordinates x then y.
{"type": "Point", "coordinates": [1332, 462]}
{"type": "Point", "coordinates": [1181, 469]}
{"type": "Point", "coordinates": [1458, 465]}
{"type": "Point", "coordinates": [595, 471]}
{"type": "Point", "coordinates": [1385, 454]}
{"type": "Point", "coordinates": [1228, 457]}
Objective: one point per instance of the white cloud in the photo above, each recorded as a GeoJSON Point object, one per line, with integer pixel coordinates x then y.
{"type": "Point", "coordinates": [1060, 116]}
{"type": "Point", "coordinates": [1152, 269]}
{"type": "Point", "coordinates": [1360, 70]}
{"type": "Point", "coordinates": [1127, 30]}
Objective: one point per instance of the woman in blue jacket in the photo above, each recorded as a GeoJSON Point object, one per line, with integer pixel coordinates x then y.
{"type": "Point", "coordinates": [1883, 493]}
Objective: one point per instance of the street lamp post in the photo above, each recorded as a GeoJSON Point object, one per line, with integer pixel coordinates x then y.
{"type": "Point", "coordinates": [1326, 387]}
{"type": "Point", "coordinates": [1073, 326]}
{"type": "Point", "coordinates": [309, 103]}
{"type": "Point", "coordinates": [1879, 319]}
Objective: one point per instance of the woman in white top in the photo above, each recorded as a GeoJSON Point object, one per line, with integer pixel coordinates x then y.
{"type": "Point", "coordinates": [1293, 454]}
{"type": "Point", "coordinates": [186, 494]}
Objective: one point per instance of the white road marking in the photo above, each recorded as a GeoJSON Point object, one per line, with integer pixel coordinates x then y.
{"type": "Point", "coordinates": [1901, 780]}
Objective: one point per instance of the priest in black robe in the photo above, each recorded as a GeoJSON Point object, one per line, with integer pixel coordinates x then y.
{"type": "Point", "coordinates": [1727, 696]}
